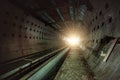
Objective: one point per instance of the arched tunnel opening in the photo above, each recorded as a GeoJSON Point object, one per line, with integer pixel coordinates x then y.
{"type": "Point", "coordinates": [59, 40]}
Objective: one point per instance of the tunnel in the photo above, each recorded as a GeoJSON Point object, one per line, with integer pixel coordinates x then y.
{"type": "Point", "coordinates": [59, 40]}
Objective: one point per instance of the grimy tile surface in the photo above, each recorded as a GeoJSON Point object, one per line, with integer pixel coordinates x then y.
{"type": "Point", "coordinates": [72, 68]}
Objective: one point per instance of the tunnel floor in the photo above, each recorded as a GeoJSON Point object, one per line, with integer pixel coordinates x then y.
{"type": "Point", "coordinates": [73, 67]}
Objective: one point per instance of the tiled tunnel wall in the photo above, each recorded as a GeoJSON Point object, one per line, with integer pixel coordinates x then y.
{"type": "Point", "coordinates": [103, 21]}
{"type": "Point", "coordinates": [21, 34]}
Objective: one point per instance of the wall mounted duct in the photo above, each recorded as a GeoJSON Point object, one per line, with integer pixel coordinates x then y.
{"type": "Point", "coordinates": [50, 18]}
{"type": "Point", "coordinates": [81, 12]}
{"type": "Point", "coordinates": [71, 11]}
{"type": "Point", "coordinates": [59, 13]}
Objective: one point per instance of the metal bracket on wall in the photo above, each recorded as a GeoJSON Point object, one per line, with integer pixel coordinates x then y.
{"type": "Point", "coordinates": [110, 49]}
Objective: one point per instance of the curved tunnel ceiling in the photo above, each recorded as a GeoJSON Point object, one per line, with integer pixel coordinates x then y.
{"type": "Point", "coordinates": [62, 15]}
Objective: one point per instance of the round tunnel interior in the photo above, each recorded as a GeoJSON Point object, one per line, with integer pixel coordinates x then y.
{"type": "Point", "coordinates": [59, 40]}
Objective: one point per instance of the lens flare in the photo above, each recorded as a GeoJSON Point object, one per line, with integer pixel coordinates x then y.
{"type": "Point", "coordinates": [72, 40]}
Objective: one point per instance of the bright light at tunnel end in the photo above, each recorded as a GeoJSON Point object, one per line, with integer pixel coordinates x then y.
{"type": "Point", "coordinates": [72, 41]}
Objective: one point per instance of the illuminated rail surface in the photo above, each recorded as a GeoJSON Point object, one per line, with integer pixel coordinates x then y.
{"type": "Point", "coordinates": [25, 68]}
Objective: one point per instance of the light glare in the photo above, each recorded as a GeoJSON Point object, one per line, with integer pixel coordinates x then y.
{"type": "Point", "coordinates": [73, 40]}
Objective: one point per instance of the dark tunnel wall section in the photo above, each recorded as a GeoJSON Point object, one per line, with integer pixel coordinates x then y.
{"type": "Point", "coordinates": [21, 34]}
{"type": "Point", "coordinates": [104, 26]}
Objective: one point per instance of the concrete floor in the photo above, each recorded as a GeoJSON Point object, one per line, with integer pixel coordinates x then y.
{"type": "Point", "coordinates": [73, 67]}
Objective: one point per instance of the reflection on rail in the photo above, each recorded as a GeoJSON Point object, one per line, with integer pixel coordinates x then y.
{"type": "Point", "coordinates": [44, 72]}
{"type": "Point", "coordinates": [19, 69]}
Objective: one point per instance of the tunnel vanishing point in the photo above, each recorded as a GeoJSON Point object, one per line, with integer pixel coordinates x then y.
{"type": "Point", "coordinates": [59, 39]}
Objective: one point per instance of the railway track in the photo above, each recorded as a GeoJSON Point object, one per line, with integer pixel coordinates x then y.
{"type": "Point", "coordinates": [27, 68]}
